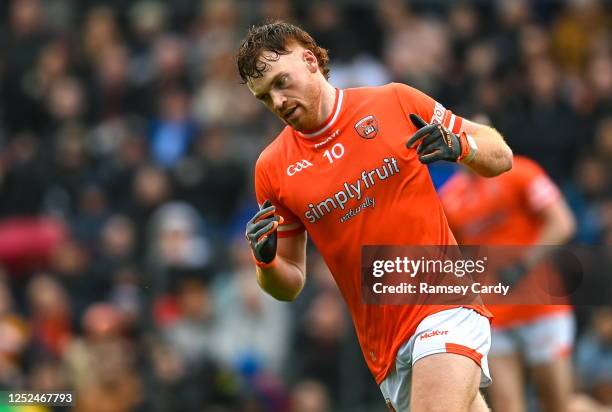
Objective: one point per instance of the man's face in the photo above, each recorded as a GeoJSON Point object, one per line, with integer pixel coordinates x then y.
{"type": "Point", "coordinates": [290, 87]}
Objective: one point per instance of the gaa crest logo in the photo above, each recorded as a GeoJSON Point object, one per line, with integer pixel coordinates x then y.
{"type": "Point", "coordinates": [367, 127]}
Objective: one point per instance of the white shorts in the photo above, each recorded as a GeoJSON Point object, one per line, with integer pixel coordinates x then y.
{"type": "Point", "coordinates": [539, 341]}
{"type": "Point", "coordinates": [459, 330]}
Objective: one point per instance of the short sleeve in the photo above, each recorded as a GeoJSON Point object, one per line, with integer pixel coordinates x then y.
{"type": "Point", "coordinates": [264, 190]}
{"type": "Point", "coordinates": [415, 101]}
{"type": "Point", "coordinates": [538, 189]}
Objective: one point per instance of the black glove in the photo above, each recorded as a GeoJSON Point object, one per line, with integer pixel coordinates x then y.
{"type": "Point", "coordinates": [261, 233]}
{"type": "Point", "coordinates": [435, 141]}
{"type": "Point", "coordinates": [512, 274]}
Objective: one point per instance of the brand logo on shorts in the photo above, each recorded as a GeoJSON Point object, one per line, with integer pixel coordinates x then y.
{"type": "Point", "coordinates": [298, 167]}
{"type": "Point", "coordinates": [367, 127]}
{"type": "Point", "coordinates": [433, 333]}
{"type": "Point", "coordinates": [390, 405]}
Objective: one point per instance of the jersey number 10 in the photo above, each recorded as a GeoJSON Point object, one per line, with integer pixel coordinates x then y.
{"type": "Point", "coordinates": [336, 152]}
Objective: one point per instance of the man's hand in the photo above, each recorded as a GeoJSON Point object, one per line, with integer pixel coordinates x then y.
{"type": "Point", "coordinates": [261, 233]}
{"type": "Point", "coordinates": [437, 142]}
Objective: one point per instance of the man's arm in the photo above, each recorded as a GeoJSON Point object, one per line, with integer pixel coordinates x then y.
{"type": "Point", "coordinates": [285, 276]}
{"type": "Point", "coordinates": [493, 155]}
{"type": "Point", "coordinates": [479, 147]}
{"type": "Point", "coordinates": [558, 228]}
{"type": "Point", "coordinates": [281, 263]}
{"type": "Point", "coordinates": [559, 224]}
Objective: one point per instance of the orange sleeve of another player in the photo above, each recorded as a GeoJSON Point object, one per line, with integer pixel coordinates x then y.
{"type": "Point", "coordinates": [264, 189]}
{"type": "Point", "coordinates": [415, 101]}
{"type": "Point", "coordinates": [537, 188]}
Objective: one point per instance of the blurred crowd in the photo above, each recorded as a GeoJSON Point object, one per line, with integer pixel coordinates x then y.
{"type": "Point", "coordinates": [127, 146]}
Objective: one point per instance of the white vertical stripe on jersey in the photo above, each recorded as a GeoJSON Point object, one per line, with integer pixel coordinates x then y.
{"type": "Point", "coordinates": [451, 123]}
{"type": "Point", "coordinates": [328, 125]}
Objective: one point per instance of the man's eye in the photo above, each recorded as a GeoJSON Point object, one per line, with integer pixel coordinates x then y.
{"type": "Point", "coordinates": [282, 82]}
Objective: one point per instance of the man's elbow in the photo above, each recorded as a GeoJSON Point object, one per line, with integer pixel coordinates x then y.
{"type": "Point", "coordinates": [506, 160]}
{"type": "Point", "coordinates": [286, 298]}
{"type": "Point", "coordinates": [502, 164]}
{"type": "Point", "coordinates": [287, 292]}
{"type": "Point", "coordinates": [285, 295]}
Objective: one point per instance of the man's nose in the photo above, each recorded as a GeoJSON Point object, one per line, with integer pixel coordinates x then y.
{"type": "Point", "coordinates": [278, 101]}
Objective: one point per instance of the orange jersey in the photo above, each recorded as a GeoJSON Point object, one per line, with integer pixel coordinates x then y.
{"type": "Point", "coordinates": [354, 183]}
{"type": "Point", "coordinates": [502, 211]}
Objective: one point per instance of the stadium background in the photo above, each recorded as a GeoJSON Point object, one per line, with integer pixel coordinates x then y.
{"type": "Point", "coordinates": [127, 146]}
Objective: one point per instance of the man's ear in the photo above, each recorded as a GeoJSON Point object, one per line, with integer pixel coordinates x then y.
{"type": "Point", "coordinates": [311, 61]}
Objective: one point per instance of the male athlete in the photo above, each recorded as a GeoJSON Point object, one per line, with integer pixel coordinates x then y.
{"type": "Point", "coordinates": [347, 171]}
{"type": "Point", "coordinates": [521, 207]}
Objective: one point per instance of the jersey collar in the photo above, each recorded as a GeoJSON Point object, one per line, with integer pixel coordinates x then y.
{"type": "Point", "coordinates": [330, 121]}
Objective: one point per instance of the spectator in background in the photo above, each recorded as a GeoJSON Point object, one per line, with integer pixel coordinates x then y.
{"type": "Point", "coordinates": [127, 297]}
{"type": "Point", "coordinates": [319, 341]}
{"type": "Point", "coordinates": [599, 88]}
{"type": "Point", "coordinates": [310, 396]}
{"type": "Point", "coordinates": [72, 167]}
{"type": "Point", "coordinates": [215, 31]}
{"type": "Point", "coordinates": [593, 178]}
{"type": "Point", "coordinates": [51, 319]}
{"type": "Point", "coordinates": [117, 238]}
{"type": "Point", "coordinates": [213, 180]}
{"type": "Point", "coordinates": [121, 166]}
{"type": "Point", "coordinates": [176, 386]}
{"type": "Point", "coordinates": [192, 332]}
{"type": "Point", "coordinates": [48, 375]}
{"type": "Point", "coordinates": [464, 26]}
{"type": "Point", "coordinates": [511, 16]}
{"type": "Point", "coordinates": [15, 333]}
{"type": "Point", "coordinates": [147, 20]}
{"type": "Point", "coordinates": [178, 240]}
{"type": "Point", "coordinates": [91, 215]}
{"type": "Point", "coordinates": [253, 329]}
{"type": "Point", "coordinates": [327, 24]}
{"type": "Point", "coordinates": [23, 186]}
{"type": "Point", "coordinates": [408, 61]}
{"type": "Point", "coordinates": [111, 92]}
{"type": "Point", "coordinates": [577, 30]}
{"type": "Point", "coordinates": [100, 32]}
{"type": "Point", "coordinates": [150, 188]}
{"type": "Point", "coordinates": [111, 385]}
{"type": "Point", "coordinates": [275, 10]}
{"type": "Point", "coordinates": [186, 359]}
{"type": "Point", "coordinates": [169, 62]}
{"type": "Point", "coordinates": [220, 94]}
{"type": "Point", "coordinates": [321, 331]}
{"type": "Point", "coordinates": [26, 36]}
{"type": "Point", "coordinates": [173, 131]}
{"type": "Point", "coordinates": [546, 129]}
{"type": "Point", "coordinates": [71, 265]}
{"type": "Point", "coordinates": [594, 358]}
{"type": "Point", "coordinates": [115, 386]}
